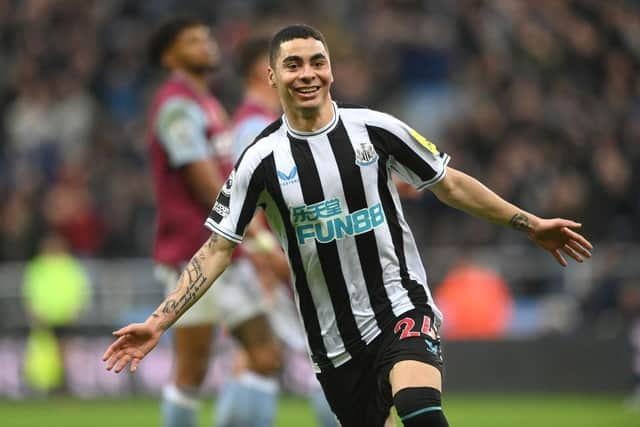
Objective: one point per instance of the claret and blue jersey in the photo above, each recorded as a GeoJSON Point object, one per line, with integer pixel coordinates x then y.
{"type": "Point", "coordinates": [330, 200]}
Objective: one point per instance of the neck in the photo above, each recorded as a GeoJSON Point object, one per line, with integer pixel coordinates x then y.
{"type": "Point", "coordinates": [200, 82]}
{"type": "Point", "coordinates": [310, 120]}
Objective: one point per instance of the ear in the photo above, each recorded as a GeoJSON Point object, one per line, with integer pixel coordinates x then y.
{"type": "Point", "coordinates": [272, 78]}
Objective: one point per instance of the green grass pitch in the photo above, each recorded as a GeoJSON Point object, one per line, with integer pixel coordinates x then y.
{"type": "Point", "coordinates": [461, 410]}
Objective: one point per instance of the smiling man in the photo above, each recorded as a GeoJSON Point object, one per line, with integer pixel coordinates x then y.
{"type": "Point", "coordinates": [302, 82]}
{"type": "Point", "coordinates": [323, 175]}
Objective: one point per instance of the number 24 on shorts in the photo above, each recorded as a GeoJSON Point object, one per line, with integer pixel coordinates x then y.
{"type": "Point", "coordinates": [407, 325]}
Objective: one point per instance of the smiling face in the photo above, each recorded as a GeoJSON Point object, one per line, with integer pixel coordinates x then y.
{"type": "Point", "coordinates": [301, 72]}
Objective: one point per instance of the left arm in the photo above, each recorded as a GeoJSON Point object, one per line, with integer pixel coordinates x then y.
{"type": "Point", "coordinates": [467, 194]}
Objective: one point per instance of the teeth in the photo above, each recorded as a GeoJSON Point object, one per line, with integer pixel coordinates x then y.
{"type": "Point", "coordinates": [307, 90]}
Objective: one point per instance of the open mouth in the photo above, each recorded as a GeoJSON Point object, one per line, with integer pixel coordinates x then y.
{"type": "Point", "coordinates": [308, 91]}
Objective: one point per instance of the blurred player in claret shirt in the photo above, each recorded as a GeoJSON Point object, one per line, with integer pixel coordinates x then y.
{"type": "Point", "coordinates": [188, 143]}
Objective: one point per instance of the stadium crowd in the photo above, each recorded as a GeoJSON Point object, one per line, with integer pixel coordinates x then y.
{"type": "Point", "coordinates": [540, 100]}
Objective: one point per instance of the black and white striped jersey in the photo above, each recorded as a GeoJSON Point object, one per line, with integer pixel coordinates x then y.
{"type": "Point", "coordinates": [330, 200]}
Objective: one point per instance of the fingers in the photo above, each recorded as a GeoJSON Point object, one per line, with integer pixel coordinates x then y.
{"type": "Point", "coordinates": [558, 256]}
{"type": "Point", "coordinates": [115, 353]}
{"type": "Point", "coordinates": [113, 360]}
{"type": "Point", "coordinates": [118, 361]}
{"type": "Point", "coordinates": [107, 354]}
{"type": "Point", "coordinates": [578, 238]}
{"type": "Point", "coordinates": [121, 359]}
{"type": "Point", "coordinates": [123, 351]}
{"type": "Point", "coordinates": [572, 253]}
{"type": "Point", "coordinates": [567, 223]}
{"type": "Point", "coordinates": [579, 248]}
{"type": "Point", "coordinates": [123, 331]}
{"type": "Point", "coordinates": [113, 348]}
{"type": "Point", "coordinates": [122, 334]}
{"type": "Point", "coordinates": [124, 361]}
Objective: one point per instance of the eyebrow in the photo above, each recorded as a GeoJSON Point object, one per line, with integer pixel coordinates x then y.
{"type": "Point", "coordinates": [297, 58]}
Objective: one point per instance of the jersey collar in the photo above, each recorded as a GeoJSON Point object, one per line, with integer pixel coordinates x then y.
{"type": "Point", "coordinates": [326, 128]}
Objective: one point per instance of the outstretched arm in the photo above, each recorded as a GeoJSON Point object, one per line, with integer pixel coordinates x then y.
{"type": "Point", "coordinates": [465, 193]}
{"type": "Point", "coordinates": [136, 340]}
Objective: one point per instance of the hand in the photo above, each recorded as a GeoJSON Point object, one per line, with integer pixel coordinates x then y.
{"type": "Point", "coordinates": [135, 342]}
{"type": "Point", "coordinates": [556, 236]}
{"type": "Point", "coordinates": [406, 190]}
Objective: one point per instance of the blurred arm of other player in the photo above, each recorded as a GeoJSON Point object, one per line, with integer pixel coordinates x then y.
{"type": "Point", "coordinates": [556, 235]}
{"type": "Point", "coordinates": [406, 190]}
{"type": "Point", "coordinates": [136, 340]}
{"type": "Point", "coordinates": [181, 124]}
{"type": "Point", "coordinates": [266, 255]}
{"type": "Point", "coordinates": [261, 247]}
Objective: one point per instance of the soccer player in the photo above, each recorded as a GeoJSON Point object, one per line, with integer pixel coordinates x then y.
{"type": "Point", "coordinates": [322, 174]}
{"type": "Point", "coordinates": [261, 106]}
{"type": "Point", "coordinates": [188, 136]}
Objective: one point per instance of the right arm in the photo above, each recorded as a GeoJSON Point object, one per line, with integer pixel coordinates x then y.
{"type": "Point", "coordinates": [238, 195]}
{"type": "Point", "coordinates": [136, 340]}
{"type": "Point", "coordinates": [205, 267]}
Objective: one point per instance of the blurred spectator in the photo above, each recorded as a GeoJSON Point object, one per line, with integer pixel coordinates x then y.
{"type": "Point", "coordinates": [68, 208]}
{"type": "Point", "coordinates": [476, 303]}
{"type": "Point", "coordinates": [55, 291]}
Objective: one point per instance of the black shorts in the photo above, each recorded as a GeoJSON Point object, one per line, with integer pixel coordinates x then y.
{"type": "Point", "coordinates": [359, 391]}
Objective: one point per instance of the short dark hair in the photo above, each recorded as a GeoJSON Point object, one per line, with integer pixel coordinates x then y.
{"type": "Point", "coordinates": [248, 52]}
{"type": "Point", "coordinates": [166, 33]}
{"type": "Point", "coordinates": [298, 31]}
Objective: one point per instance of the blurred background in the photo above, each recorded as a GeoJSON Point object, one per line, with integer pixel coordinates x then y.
{"type": "Point", "coordinates": [539, 100]}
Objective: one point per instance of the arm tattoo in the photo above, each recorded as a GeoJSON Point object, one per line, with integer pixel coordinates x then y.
{"type": "Point", "coordinates": [190, 285]}
{"type": "Point", "coordinates": [520, 222]}
{"type": "Point", "coordinates": [195, 279]}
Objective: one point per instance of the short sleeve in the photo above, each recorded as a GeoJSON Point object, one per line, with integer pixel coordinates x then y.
{"type": "Point", "coordinates": [237, 201]}
{"type": "Point", "coordinates": [181, 129]}
{"type": "Point", "coordinates": [412, 156]}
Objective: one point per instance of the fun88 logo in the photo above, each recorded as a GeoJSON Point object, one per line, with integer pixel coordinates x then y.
{"type": "Point", "coordinates": [326, 221]}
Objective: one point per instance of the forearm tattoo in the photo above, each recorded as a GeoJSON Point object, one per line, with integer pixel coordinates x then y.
{"type": "Point", "coordinates": [520, 222]}
{"type": "Point", "coordinates": [195, 279]}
